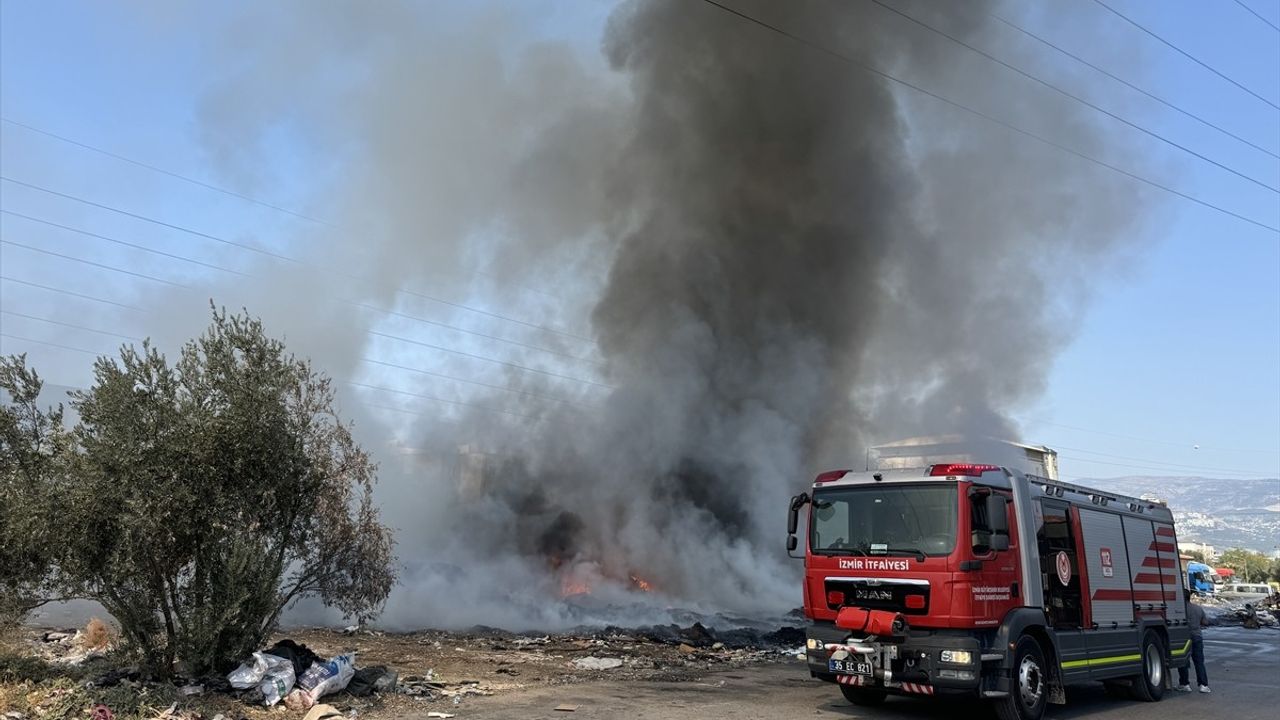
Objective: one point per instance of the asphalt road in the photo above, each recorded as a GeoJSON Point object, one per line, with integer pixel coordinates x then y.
{"type": "Point", "coordinates": [1244, 670]}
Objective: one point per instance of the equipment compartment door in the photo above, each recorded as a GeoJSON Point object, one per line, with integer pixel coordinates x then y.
{"type": "Point", "coordinates": [1059, 566]}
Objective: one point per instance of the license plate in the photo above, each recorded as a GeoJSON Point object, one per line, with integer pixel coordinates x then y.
{"type": "Point", "coordinates": [849, 667]}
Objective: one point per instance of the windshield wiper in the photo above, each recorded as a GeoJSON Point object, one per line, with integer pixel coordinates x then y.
{"type": "Point", "coordinates": [839, 551]}
{"type": "Point", "coordinates": [919, 554]}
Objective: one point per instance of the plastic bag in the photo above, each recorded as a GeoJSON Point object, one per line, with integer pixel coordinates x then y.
{"type": "Point", "coordinates": [278, 679]}
{"type": "Point", "coordinates": [250, 672]}
{"type": "Point", "coordinates": [299, 699]}
{"type": "Point", "coordinates": [328, 677]}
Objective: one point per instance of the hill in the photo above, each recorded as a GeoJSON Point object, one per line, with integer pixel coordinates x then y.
{"type": "Point", "coordinates": [1223, 513]}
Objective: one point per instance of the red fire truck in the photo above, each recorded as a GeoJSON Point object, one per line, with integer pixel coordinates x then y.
{"type": "Point", "coordinates": [983, 581]}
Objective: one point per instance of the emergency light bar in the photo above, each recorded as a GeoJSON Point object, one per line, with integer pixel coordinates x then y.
{"type": "Point", "coordinates": [965, 469]}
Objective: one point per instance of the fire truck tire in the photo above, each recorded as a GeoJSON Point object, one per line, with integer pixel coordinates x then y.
{"type": "Point", "coordinates": [1149, 686]}
{"type": "Point", "coordinates": [1029, 686]}
{"type": "Point", "coordinates": [866, 697]}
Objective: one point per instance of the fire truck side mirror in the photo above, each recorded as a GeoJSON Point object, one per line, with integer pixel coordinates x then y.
{"type": "Point", "coordinates": [793, 514]}
{"type": "Point", "coordinates": [793, 521]}
{"type": "Point", "coordinates": [998, 519]}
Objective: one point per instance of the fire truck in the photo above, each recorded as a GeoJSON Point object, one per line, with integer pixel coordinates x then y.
{"type": "Point", "coordinates": [986, 581]}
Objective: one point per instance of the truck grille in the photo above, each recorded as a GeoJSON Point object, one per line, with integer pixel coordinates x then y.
{"type": "Point", "coordinates": [879, 594]}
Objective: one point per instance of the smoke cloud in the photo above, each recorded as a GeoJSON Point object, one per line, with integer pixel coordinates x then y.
{"type": "Point", "coordinates": [740, 260]}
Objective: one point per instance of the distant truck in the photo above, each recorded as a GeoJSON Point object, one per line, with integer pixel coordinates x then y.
{"type": "Point", "coordinates": [968, 579]}
{"type": "Point", "coordinates": [1202, 579]}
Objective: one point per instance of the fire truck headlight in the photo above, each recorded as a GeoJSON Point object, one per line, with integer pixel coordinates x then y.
{"type": "Point", "coordinates": [959, 657]}
{"type": "Point", "coordinates": [814, 643]}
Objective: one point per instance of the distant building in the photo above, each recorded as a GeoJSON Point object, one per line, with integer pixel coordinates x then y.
{"type": "Point", "coordinates": [1190, 546]}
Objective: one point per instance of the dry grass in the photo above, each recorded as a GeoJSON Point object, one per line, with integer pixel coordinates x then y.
{"type": "Point", "coordinates": [97, 635]}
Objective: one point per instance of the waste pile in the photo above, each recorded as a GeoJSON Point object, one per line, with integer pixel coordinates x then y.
{"type": "Point", "coordinates": [378, 674]}
{"type": "Point", "coordinates": [1220, 611]}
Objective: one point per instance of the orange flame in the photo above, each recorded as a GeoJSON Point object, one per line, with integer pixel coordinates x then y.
{"type": "Point", "coordinates": [570, 587]}
{"type": "Point", "coordinates": [641, 584]}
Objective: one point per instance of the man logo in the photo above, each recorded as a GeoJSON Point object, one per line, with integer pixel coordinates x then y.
{"type": "Point", "coordinates": [865, 594]}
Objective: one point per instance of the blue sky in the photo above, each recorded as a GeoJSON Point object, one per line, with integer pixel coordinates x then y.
{"type": "Point", "coordinates": [1180, 345]}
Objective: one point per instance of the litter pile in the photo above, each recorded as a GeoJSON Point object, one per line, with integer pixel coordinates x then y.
{"type": "Point", "coordinates": [1220, 611]}
{"type": "Point", "coordinates": [74, 647]}
{"type": "Point", "coordinates": [274, 672]}
{"type": "Point", "coordinates": [385, 675]}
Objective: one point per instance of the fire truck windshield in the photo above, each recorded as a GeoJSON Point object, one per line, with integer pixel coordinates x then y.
{"type": "Point", "coordinates": [884, 520]}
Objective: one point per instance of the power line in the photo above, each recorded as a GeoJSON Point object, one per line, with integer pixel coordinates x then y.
{"type": "Point", "coordinates": [1243, 476]}
{"type": "Point", "coordinates": [517, 343]}
{"type": "Point", "coordinates": [352, 303]}
{"type": "Point", "coordinates": [471, 382]}
{"type": "Point", "coordinates": [1273, 451]}
{"type": "Point", "coordinates": [43, 342]}
{"type": "Point", "coordinates": [1132, 86]}
{"type": "Point", "coordinates": [154, 221]}
{"type": "Point", "coordinates": [441, 400]}
{"type": "Point", "coordinates": [72, 293]}
{"type": "Point", "coordinates": [370, 360]}
{"type": "Point", "coordinates": [122, 242]}
{"type": "Point", "coordinates": [990, 118]}
{"type": "Point", "coordinates": [441, 348]}
{"type": "Point", "coordinates": [278, 256]}
{"type": "Point", "coordinates": [1184, 53]}
{"type": "Point", "coordinates": [1150, 461]}
{"type": "Point", "coordinates": [1072, 96]}
{"type": "Point", "coordinates": [162, 171]}
{"type": "Point", "coordinates": [70, 325]}
{"type": "Point", "coordinates": [372, 387]}
{"type": "Point", "coordinates": [516, 366]}
{"type": "Point", "coordinates": [73, 258]}
{"type": "Point", "coordinates": [1258, 15]}
{"type": "Point", "coordinates": [201, 183]}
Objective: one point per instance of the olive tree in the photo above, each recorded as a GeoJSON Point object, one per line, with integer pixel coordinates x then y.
{"type": "Point", "coordinates": [213, 492]}
{"type": "Point", "coordinates": [33, 450]}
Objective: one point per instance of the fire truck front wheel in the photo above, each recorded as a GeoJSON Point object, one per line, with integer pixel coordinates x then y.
{"type": "Point", "coordinates": [1149, 686]}
{"type": "Point", "coordinates": [1029, 685]}
{"type": "Point", "coordinates": [864, 696]}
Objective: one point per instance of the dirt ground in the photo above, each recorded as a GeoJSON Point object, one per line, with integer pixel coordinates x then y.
{"type": "Point", "coordinates": [1241, 668]}
{"type": "Point", "coordinates": [48, 676]}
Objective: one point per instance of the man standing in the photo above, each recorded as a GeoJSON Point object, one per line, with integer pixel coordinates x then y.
{"type": "Point", "coordinates": [1196, 619]}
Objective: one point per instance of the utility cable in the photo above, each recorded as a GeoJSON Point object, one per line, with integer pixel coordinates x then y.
{"type": "Point", "coordinates": [50, 344]}
{"type": "Point", "coordinates": [203, 184]}
{"type": "Point", "coordinates": [990, 118]}
{"type": "Point", "coordinates": [483, 358]}
{"type": "Point", "coordinates": [1072, 96]}
{"type": "Point", "coordinates": [72, 293]}
{"type": "Point", "coordinates": [353, 303]}
{"type": "Point", "coordinates": [372, 387]}
{"type": "Point", "coordinates": [1149, 461]}
{"type": "Point", "coordinates": [1258, 15]}
{"type": "Point", "coordinates": [1182, 52]}
{"type": "Point", "coordinates": [163, 171]}
{"type": "Point", "coordinates": [370, 360]}
{"type": "Point", "coordinates": [278, 256]}
{"type": "Point", "coordinates": [1133, 86]}
{"type": "Point", "coordinates": [70, 325]}
{"type": "Point", "coordinates": [123, 243]}
{"type": "Point", "coordinates": [112, 268]}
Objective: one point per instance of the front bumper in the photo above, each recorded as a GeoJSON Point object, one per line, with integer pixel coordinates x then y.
{"type": "Point", "coordinates": [911, 664]}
